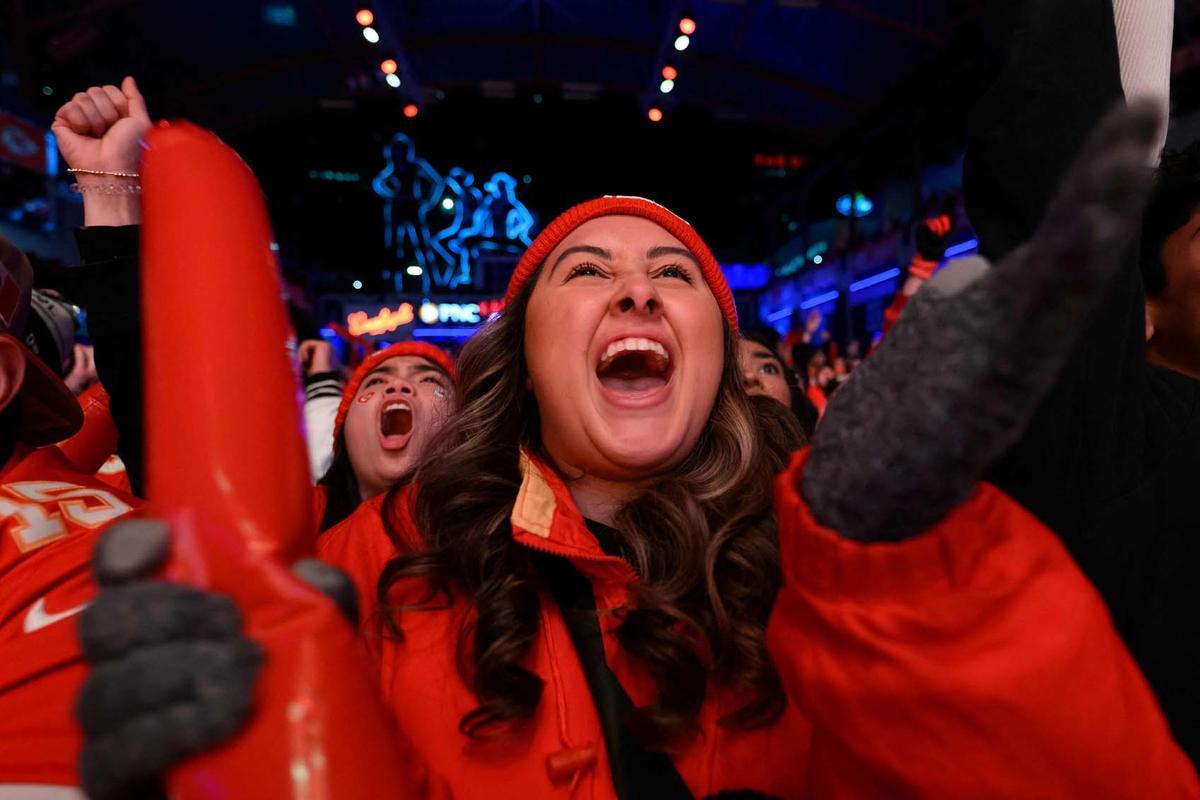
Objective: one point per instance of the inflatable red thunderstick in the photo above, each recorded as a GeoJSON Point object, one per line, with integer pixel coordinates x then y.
{"type": "Point", "coordinates": [222, 410]}
{"type": "Point", "coordinates": [226, 466]}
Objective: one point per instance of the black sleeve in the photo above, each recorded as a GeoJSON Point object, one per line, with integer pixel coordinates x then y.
{"type": "Point", "coordinates": [1056, 73]}
{"type": "Point", "coordinates": [107, 285]}
{"type": "Point", "coordinates": [1111, 459]}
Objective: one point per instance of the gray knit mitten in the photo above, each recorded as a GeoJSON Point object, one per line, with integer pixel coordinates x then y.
{"type": "Point", "coordinates": [958, 379]}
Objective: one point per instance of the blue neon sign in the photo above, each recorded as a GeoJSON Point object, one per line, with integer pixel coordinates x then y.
{"type": "Point", "coordinates": [959, 249]}
{"type": "Point", "coordinates": [819, 300]}
{"type": "Point", "coordinates": [442, 223]}
{"type": "Point", "coordinates": [866, 283]}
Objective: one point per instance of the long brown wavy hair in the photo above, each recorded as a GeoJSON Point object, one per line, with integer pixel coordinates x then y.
{"type": "Point", "coordinates": [702, 539]}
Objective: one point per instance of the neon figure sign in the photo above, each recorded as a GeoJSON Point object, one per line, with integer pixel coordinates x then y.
{"type": "Point", "coordinates": [442, 223]}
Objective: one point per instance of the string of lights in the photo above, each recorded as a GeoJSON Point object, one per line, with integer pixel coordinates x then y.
{"type": "Point", "coordinates": [394, 69]}
{"type": "Point", "coordinates": [396, 73]}
{"type": "Point", "coordinates": [678, 39]}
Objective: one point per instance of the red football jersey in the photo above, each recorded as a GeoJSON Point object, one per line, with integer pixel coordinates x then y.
{"type": "Point", "coordinates": [113, 473]}
{"type": "Point", "coordinates": [50, 518]}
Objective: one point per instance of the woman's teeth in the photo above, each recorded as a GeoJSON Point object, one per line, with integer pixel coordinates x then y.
{"type": "Point", "coordinates": [634, 366]}
{"type": "Point", "coordinates": [634, 344]}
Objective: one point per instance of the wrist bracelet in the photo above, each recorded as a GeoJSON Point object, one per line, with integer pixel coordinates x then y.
{"type": "Point", "coordinates": [103, 172]}
{"type": "Point", "coordinates": [107, 188]}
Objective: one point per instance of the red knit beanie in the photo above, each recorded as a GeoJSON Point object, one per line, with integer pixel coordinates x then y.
{"type": "Point", "coordinates": [608, 206]}
{"type": "Point", "coordinates": [430, 353]}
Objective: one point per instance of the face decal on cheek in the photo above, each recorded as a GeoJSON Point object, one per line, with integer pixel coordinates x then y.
{"type": "Point", "coordinates": [366, 398]}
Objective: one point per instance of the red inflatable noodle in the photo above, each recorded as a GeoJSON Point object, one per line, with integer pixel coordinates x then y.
{"type": "Point", "coordinates": [222, 401]}
{"type": "Point", "coordinates": [226, 466]}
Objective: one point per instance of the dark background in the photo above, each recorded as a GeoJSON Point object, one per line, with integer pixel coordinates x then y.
{"type": "Point", "coordinates": [820, 80]}
{"type": "Point", "coordinates": [862, 93]}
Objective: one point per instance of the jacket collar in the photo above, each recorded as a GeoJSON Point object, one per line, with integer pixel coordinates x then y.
{"type": "Point", "coordinates": [545, 517]}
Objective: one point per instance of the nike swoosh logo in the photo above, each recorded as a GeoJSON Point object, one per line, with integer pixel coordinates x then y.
{"type": "Point", "coordinates": [37, 618]}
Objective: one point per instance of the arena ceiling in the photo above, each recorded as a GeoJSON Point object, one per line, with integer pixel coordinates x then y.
{"type": "Point", "coordinates": [810, 66]}
{"type": "Point", "coordinates": [555, 89]}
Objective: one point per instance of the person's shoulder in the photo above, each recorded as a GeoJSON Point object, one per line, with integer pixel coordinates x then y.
{"type": "Point", "coordinates": [373, 533]}
{"type": "Point", "coordinates": [46, 471]}
{"type": "Point", "coordinates": [1176, 395]}
{"type": "Point", "coordinates": [364, 523]}
{"type": "Point", "coordinates": [1171, 418]}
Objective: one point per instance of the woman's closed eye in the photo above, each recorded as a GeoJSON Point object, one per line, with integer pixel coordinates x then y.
{"type": "Point", "coordinates": [585, 270]}
{"type": "Point", "coordinates": [675, 271]}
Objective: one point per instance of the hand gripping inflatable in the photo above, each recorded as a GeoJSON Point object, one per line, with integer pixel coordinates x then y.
{"type": "Point", "coordinates": [226, 466]}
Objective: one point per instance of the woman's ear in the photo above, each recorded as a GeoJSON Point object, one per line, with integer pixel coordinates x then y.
{"type": "Point", "coordinates": [12, 370]}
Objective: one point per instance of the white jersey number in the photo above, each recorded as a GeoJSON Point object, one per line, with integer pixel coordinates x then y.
{"type": "Point", "coordinates": [41, 506]}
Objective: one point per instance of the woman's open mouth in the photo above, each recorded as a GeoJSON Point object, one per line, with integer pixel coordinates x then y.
{"type": "Point", "coordinates": [395, 425]}
{"type": "Point", "coordinates": [634, 368]}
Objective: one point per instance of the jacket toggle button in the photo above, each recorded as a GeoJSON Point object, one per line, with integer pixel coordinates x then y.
{"type": "Point", "coordinates": [563, 765]}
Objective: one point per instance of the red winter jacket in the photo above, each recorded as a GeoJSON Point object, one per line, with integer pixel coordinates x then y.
{"type": "Point", "coordinates": [320, 499]}
{"type": "Point", "coordinates": [972, 661]}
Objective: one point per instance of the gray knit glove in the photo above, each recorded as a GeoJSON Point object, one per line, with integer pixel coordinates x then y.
{"type": "Point", "coordinates": [958, 379]}
{"type": "Point", "coordinates": [172, 671]}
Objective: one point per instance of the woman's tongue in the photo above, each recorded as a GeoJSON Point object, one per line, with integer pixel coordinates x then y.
{"type": "Point", "coordinates": [635, 373]}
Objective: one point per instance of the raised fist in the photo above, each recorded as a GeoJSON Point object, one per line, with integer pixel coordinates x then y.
{"type": "Point", "coordinates": [102, 129]}
{"type": "Point", "coordinates": [316, 356]}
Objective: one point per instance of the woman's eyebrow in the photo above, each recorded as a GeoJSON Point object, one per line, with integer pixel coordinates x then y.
{"type": "Point", "coordinates": [668, 250]}
{"type": "Point", "coordinates": [582, 248]}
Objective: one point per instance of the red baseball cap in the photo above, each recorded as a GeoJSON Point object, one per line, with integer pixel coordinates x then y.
{"type": "Point", "coordinates": [49, 411]}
